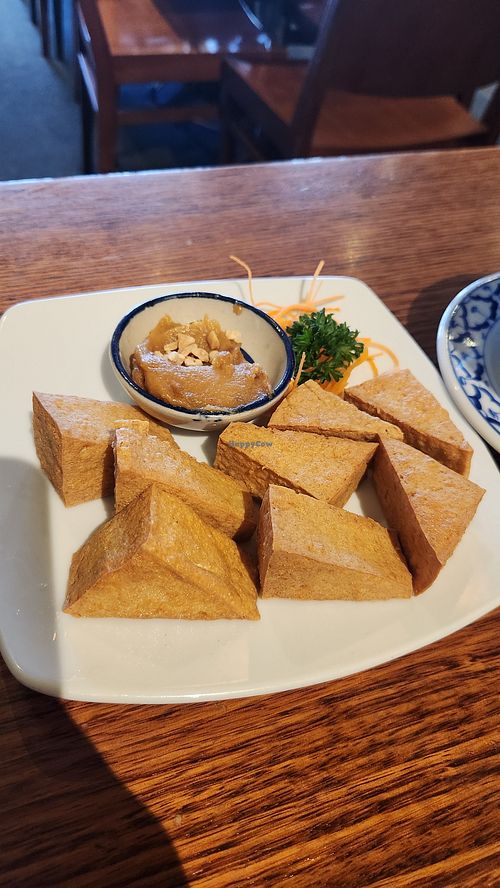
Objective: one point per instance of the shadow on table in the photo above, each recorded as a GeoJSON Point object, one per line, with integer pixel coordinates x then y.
{"type": "Point", "coordinates": [429, 305]}
{"type": "Point", "coordinates": [65, 818]}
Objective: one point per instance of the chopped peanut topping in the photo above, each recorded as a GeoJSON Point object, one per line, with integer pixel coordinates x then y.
{"type": "Point", "coordinates": [170, 346]}
{"type": "Point", "coordinates": [185, 340]}
{"type": "Point", "coordinates": [182, 348]}
{"type": "Point", "coordinates": [213, 340]}
{"type": "Point", "coordinates": [175, 357]}
{"type": "Point", "coordinates": [199, 352]}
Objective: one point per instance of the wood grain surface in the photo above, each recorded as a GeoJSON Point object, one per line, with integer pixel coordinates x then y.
{"type": "Point", "coordinates": [389, 778]}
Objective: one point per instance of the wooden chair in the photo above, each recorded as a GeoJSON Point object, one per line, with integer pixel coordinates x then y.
{"type": "Point", "coordinates": [385, 75]}
{"type": "Point", "coordinates": [141, 41]}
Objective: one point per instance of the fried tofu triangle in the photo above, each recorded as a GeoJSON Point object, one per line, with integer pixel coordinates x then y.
{"type": "Point", "coordinates": [326, 468]}
{"type": "Point", "coordinates": [399, 397]}
{"type": "Point", "coordinates": [73, 442]}
{"type": "Point", "coordinates": [157, 558]}
{"type": "Point", "coordinates": [142, 460]}
{"type": "Point", "coordinates": [429, 505]}
{"type": "Point", "coordinates": [310, 550]}
{"type": "Point", "coordinates": [309, 408]}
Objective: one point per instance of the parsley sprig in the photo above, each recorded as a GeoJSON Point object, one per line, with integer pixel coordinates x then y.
{"type": "Point", "coordinates": [329, 347]}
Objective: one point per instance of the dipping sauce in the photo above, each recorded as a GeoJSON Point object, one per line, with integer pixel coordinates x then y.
{"type": "Point", "coordinates": [199, 366]}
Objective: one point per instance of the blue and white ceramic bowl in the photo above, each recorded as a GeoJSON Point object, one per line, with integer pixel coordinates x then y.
{"type": "Point", "coordinates": [468, 350]}
{"type": "Point", "coordinates": [264, 342]}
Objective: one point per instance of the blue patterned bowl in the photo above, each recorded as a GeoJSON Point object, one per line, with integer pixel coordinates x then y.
{"type": "Point", "coordinates": [468, 350]}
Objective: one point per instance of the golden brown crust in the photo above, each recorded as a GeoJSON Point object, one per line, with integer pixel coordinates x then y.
{"type": "Point", "coordinates": [220, 500]}
{"type": "Point", "coordinates": [48, 445]}
{"type": "Point", "coordinates": [311, 550]}
{"type": "Point", "coordinates": [326, 468]}
{"type": "Point", "coordinates": [399, 397]}
{"type": "Point", "coordinates": [429, 505]}
{"type": "Point", "coordinates": [157, 558]}
{"type": "Point", "coordinates": [73, 442]}
{"type": "Point", "coordinates": [309, 408]}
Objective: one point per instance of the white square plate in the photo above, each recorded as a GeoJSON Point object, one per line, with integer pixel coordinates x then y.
{"type": "Point", "coordinates": [61, 346]}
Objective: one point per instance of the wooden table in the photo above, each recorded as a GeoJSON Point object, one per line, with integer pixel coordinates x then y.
{"type": "Point", "coordinates": [387, 779]}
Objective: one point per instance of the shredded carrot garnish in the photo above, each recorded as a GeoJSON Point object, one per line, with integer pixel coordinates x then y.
{"type": "Point", "coordinates": [384, 348]}
{"type": "Point", "coordinates": [285, 315]}
{"type": "Point", "coordinates": [249, 273]}
{"type": "Point", "coordinates": [367, 356]}
{"type": "Point", "coordinates": [373, 366]}
{"type": "Point", "coordinates": [292, 385]}
{"type": "Point", "coordinates": [295, 381]}
{"type": "Point", "coordinates": [327, 301]}
{"type": "Point", "coordinates": [312, 285]}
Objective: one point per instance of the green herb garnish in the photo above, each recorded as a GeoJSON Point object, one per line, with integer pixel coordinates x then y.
{"type": "Point", "coordinates": [329, 347]}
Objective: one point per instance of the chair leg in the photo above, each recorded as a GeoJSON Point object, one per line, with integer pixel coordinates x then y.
{"type": "Point", "coordinates": [75, 49]}
{"type": "Point", "coordinates": [59, 28]}
{"type": "Point", "coordinates": [34, 11]}
{"type": "Point", "coordinates": [45, 27]}
{"type": "Point", "coordinates": [88, 129]}
{"type": "Point", "coordinates": [107, 132]}
{"type": "Point", "coordinates": [227, 144]}
{"type": "Point", "coordinates": [227, 141]}
{"type": "Point", "coordinates": [99, 134]}
{"type": "Point", "coordinates": [491, 117]}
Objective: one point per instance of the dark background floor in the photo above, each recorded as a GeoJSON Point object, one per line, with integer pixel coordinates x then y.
{"type": "Point", "coordinates": [40, 130]}
{"type": "Point", "coordinates": [39, 121]}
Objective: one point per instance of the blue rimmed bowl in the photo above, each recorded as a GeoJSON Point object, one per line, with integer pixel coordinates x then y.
{"type": "Point", "coordinates": [468, 350]}
{"type": "Point", "coordinates": [264, 342]}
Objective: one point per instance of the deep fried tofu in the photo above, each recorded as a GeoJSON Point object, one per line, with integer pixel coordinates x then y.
{"type": "Point", "coordinates": [309, 549]}
{"type": "Point", "coordinates": [399, 397]}
{"type": "Point", "coordinates": [429, 505]}
{"type": "Point", "coordinates": [73, 442]}
{"type": "Point", "coordinates": [309, 408]}
{"type": "Point", "coordinates": [143, 460]}
{"type": "Point", "coordinates": [326, 468]}
{"type": "Point", "coordinates": [157, 558]}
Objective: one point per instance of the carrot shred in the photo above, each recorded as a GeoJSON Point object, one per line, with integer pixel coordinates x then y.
{"type": "Point", "coordinates": [295, 380]}
{"type": "Point", "coordinates": [330, 299]}
{"type": "Point", "coordinates": [313, 284]}
{"type": "Point", "coordinates": [249, 273]}
{"type": "Point", "coordinates": [285, 315]}
{"type": "Point", "coordinates": [385, 348]}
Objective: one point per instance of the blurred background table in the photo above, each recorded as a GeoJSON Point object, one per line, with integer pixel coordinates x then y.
{"type": "Point", "coordinates": [133, 42]}
{"type": "Point", "coordinates": [388, 778]}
